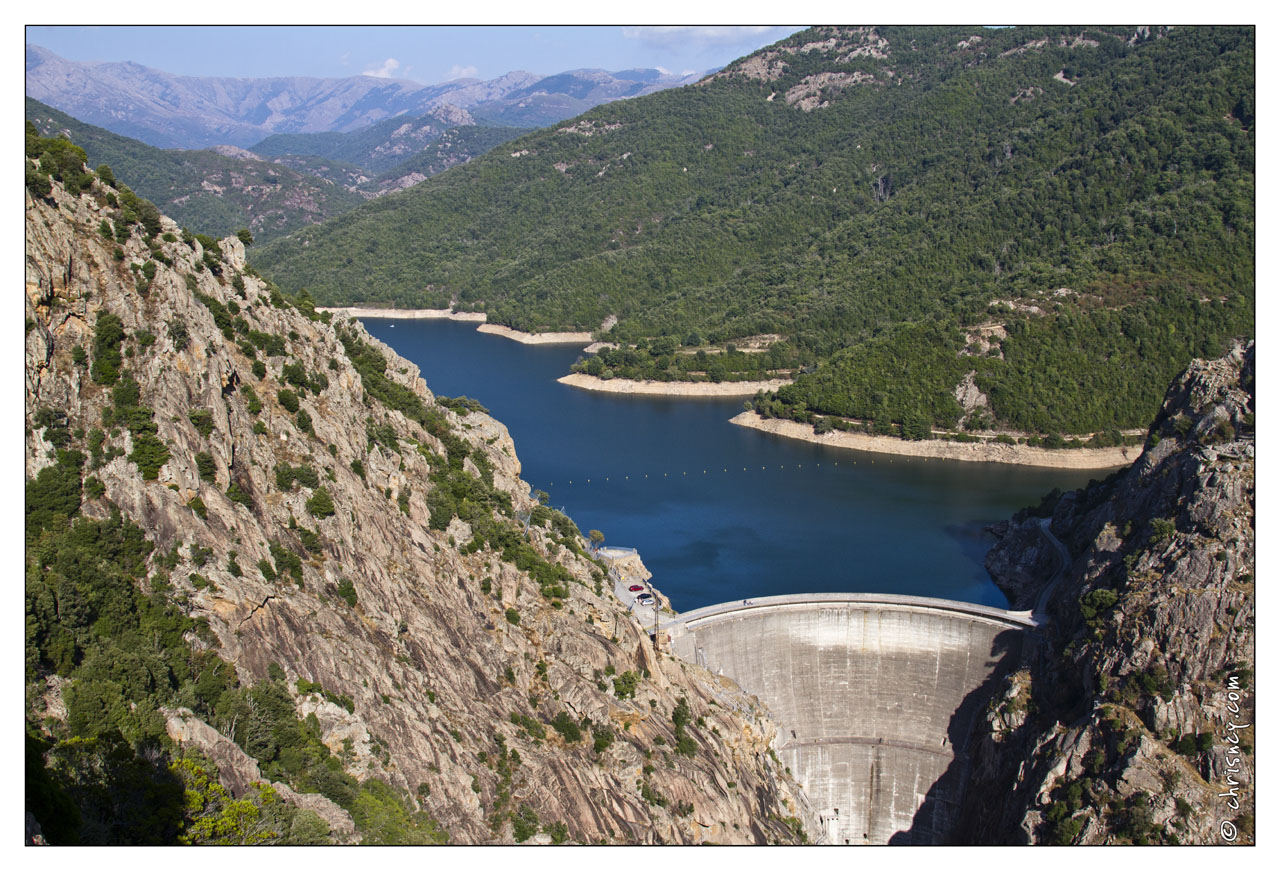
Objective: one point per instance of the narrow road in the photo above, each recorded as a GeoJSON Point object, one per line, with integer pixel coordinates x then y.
{"type": "Point", "coordinates": [1064, 560]}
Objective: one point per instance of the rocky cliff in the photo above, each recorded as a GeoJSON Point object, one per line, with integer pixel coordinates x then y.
{"type": "Point", "coordinates": [1131, 721]}
{"type": "Point", "coordinates": [339, 534]}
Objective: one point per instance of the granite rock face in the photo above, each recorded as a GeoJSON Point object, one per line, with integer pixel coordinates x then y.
{"type": "Point", "coordinates": [1132, 721]}
{"type": "Point", "coordinates": [428, 654]}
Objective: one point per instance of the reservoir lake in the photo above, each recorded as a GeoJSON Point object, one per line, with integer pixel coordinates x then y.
{"type": "Point", "coordinates": [720, 512]}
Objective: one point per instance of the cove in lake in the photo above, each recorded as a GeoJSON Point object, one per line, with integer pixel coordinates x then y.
{"type": "Point", "coordinates": [727, 512]}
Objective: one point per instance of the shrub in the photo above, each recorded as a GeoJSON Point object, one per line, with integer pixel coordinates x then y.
{"type": "Point", "coordinates": [624, 686]}
{"type": "Point", "coordinates": [202, 420]}
{"type": "Point", "coordinates": [206, 466]}
{"type": "Point", "coordinates": [524, 825]}
{"type": "Point", "coordinates": [347, 591]}
{"type": "Point", "coordinates": [565, 725]}
{"type": "Point", "coordinates": [253, 403]}
{"type": "Point", "coordinates": [1162, 529]}
{"type": "Point", "coordinates": [513, 616]}
{"type": "Point", "coordinates": [602, 738]}
{"type": "Point", "coordinates": [236, 493]}
{"type": "Point", "coordinates": [178, 334]}
{"type": "Point", "coordinates": [288, 399]}
{"type": "Point", "coordinates": [197, 505]}
{"type": "Point", "coordinates": [321, 504]}
{"type": "Point", "coordinates": [108, 333]}
{"type": "Point", "coordinates": [529, 724]}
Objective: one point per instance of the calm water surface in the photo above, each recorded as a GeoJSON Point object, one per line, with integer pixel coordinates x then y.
{"type": "Point", "coordinates": [727, 512]}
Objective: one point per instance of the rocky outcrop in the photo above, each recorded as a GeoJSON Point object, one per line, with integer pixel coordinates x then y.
{"type": "Point", "coordinates": [238, 772]}
{"type": "Point", "coordinates": [1132, 721]}
{"type": "Point", "coordinates": [435, 638]}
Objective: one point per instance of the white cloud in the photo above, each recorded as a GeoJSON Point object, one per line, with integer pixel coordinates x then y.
{"type": "Point", "coordinates": [386, 71]}
{"type": "Point", "coordinates": [458, 71]}
{"type": "Point", "coordinates": [679, 36]}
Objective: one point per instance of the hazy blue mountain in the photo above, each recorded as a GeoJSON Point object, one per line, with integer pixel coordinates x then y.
{"type": "Point", "coordinates": [172, 111]}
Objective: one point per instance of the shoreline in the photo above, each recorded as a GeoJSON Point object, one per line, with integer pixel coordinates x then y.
{"type": "Point", "coordinates": [972, 452]}
{"type": "Point", "coordinates": [669, 388]}
{"type": "Point", "coordinates": [524, 338]}
{"type": "Point", "coordinates": [408, 314]}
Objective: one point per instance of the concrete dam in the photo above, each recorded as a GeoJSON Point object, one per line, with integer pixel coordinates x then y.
{"type": "Point", "coordinates": [875, 697]}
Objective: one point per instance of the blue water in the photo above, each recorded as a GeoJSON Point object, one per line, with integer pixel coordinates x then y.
{"type": "Point", "coordinates": [727, 512]}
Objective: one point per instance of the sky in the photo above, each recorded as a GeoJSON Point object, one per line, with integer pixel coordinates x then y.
{"type": "Point", "coordinates": [425, 54]}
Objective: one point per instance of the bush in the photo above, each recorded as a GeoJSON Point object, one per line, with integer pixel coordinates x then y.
{"type": "Point", "coordinates": [624, 686]}
{"type": "Point", "coordinates": [347, 591]}
{"type": "Point", "coordinates": [206, 467]}
{"type": "Point", "coordinates": [288, 399]}
{"type": "Point", "coordinates": [108, 333]}
{"type": "Point", "coordinates": [524, 825]}
{"type": "Point", "coordinates": [565, 725]}
{"type": "Point", "coordinates": [202, 420]}
{"type": "Point", "coordinates": [513, 616]}
{"type": "Point", "coordinates": [602, 738]}
{"type": "Point", "coordinates": [530, 725]}
{"type": "Point", "coordinates": [236, 493]}
{"type": "Point", "coordinates": [321, 504]}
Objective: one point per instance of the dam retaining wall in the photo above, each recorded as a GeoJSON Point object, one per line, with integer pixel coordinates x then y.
{"type": "Point", "coordinates": [875, 697]}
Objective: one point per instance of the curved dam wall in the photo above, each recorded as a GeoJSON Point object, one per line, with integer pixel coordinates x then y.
{"type": "Point", "coordinates": [873, 696]}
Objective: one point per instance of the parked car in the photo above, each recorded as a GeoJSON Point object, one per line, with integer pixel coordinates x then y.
{"type": "Point", "coordinates": [644, 597]}
{"type": "Point", "coordinates": [635, 588]}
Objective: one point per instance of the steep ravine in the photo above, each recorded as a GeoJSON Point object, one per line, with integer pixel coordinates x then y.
{"type": "Point", "coordinates": [1131, 720]}
{"type": "Point", "coordinates": [430, 636]}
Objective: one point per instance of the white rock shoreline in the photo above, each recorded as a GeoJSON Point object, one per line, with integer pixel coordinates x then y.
{"type": "Point", "coordinates": [670, 388]}
{"type": "Point", "coordinates": [973, 452]}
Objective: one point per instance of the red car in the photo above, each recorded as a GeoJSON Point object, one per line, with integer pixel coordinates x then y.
{"type": "Point", "coordinates": [634, 588]}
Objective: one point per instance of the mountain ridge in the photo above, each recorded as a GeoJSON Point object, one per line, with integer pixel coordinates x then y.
{"type": "Point", "coordinates": [173, 111]}
{"type": "Point", "coordinates": [1044, 199]}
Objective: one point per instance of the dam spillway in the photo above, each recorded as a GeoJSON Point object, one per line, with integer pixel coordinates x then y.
{"type": "Point", "coordinates": [875, 697]}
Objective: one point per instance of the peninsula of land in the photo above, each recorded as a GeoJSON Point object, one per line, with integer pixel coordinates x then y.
{"type": "Point", "coordinates": [670, 388]}
{"type": "Point", "coordinates": [564, 338]}
{"type": "Point", "coordinates": [973, 452]}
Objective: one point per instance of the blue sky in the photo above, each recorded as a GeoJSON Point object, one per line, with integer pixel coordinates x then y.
{"type": "Point", "coordinates": [423, 54]}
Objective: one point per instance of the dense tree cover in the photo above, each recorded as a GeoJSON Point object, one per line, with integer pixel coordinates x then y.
{"type": "Point", "coordinates": [663, 359]}
{"type": "Point", "coordinates": [365, 148]}
{"type": "Point", "coordinates": [255, 194]}
{"type": "Point", "coordinates": [968, 177]}
{"type": "Point", "coordinates": [373, 148]}
{"type": "Point", "coordinates": [457, 145]}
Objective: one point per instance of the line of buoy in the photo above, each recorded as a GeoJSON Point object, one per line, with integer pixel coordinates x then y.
{"type": "Point", "coordinates": [685, 474]}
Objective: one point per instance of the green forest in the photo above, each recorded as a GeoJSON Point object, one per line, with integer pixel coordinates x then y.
{"type": "Point", "coordinates": [265, 197]}
{"type": "Point", "coordinates": [1090, 189]}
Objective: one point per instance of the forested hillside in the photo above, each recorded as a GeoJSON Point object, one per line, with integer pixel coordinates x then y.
{"type": "Point", "coordinates": [205, 189]}
{"type": "Point", "coordinates": [1072, 205]}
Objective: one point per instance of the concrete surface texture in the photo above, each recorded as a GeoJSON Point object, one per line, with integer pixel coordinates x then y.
{"type": "Point", "coordinates": [873, 694]}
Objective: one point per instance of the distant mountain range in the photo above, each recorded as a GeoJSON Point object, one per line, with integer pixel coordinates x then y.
{"type": "Point", "coordinates": [171, 111]}
{"type": "Point", "coordinates": [305, 178]}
